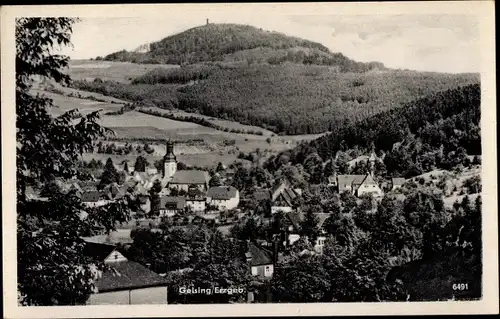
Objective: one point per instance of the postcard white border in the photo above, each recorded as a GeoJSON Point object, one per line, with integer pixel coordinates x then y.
{"type": "Point", "coordinates": [488, 304]}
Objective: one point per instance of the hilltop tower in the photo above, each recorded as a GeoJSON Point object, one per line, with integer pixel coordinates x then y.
{"type": "Point", "coordinates": [169, 161]}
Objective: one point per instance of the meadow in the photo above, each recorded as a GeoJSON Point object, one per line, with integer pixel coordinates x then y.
{"type": "Point", "coordinates": [123, 72]}
{"type": "Point", "coordinates": [211, 146]}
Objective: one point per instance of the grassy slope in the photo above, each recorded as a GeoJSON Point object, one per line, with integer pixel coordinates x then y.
{"type": "Point", "coordinates": [122, 72]}
{"type": "Point", "coordinates": [134, 126]}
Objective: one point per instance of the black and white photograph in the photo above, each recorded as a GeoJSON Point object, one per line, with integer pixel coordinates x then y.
{"type": "Point", "coordinates": [250, 154]}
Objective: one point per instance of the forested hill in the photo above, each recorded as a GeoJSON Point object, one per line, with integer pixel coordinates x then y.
{"type": "Point", "coordinates": [234, 42]}
{"type": "Point", "coordinates": [438, 131]}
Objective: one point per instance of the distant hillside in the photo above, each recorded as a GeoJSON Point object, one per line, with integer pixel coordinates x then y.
{"type": "Point", "coordinates": [435, 132]}
{"type": "Point", "coordinates": [286, 99]}
{"type": "Point", "coordinates": [233, 42]}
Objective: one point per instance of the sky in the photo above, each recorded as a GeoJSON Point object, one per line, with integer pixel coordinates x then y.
{"type": "Point", "coordinates": [440, 43]}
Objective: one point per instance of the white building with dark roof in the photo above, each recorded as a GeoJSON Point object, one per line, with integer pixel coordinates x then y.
{"type": "Point", "coordinates": [397, 182]}
{"type": "Point", "coordinates": [358, 185]}
{"type": "Point", "coordinates": [124, 281]}
{"type": "Point", "coordinates": [172, 205]}
{"type": "Point", "coordinates": [223, 197]}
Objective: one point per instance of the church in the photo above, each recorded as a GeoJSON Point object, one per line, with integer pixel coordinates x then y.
{"type": "Point", "coordinates": [182, 179]}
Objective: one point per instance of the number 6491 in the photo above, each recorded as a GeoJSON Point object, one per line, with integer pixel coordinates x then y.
{"type": "Point", "coordinates": [460, 286]}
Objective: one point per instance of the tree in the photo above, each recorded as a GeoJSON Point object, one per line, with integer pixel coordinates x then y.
{"type": "Point", "coordinates": [50, 189]}
{"type": "Point", "coordinates": [125, 167]}
{"type": "Point", "coordinates": [110, 174]}
{"type": "Point", "coordinates": [329, 168]}
{"type": "Point", "coordinates": [301, 280]}
{"type": "Point", "coordinates": [220, 167]}
{"type": "Point", "coordinates": [140, 164]}
{"type": "Point", "coordinates": [155, 197]}
{"type": "Point", "coordinates": [215, 181]}
{"type": "Point", "coordinates": [309, 226]}
{"type": "Point", "coordinates": [52, 267]}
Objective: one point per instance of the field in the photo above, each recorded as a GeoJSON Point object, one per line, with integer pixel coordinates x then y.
{"type": "Point", "coordinates": [122, 72]}
{"type": "Point", "coordinates": [211, 146]}
{"type": "Point", "coordinates": [454, 183]}
{"type": "Point", "coordinates": [216, 121]}
{"type": "Point", "coordinates": [65, 103]}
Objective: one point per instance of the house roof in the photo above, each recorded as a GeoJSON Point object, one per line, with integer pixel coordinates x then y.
{"type": "Point", "coordinates": [279, 187]}
{"type": "Point", "coordinates": [172, 202]}
{"type": "Point", "coordinates": [295, 218]}
{"type": "Point", "coordinates": [259, 256]}
{"type": "Point", "coordinates": [140, 189]}
{"type": "Point", "coordinates": [87, 185]}
{"type": "Point", "coordinates": [289, 195]}
{"type": "Point", "coordinates": [97, 251]}
{"type": "Point", "coordinates": [284, 190]}
{"type": "Point", "coordinates": [398, 181]}
{"type": "Point", "coordinates": [222, 192]}
{"type": "Point", "coordinates": [322, 217]}
{"type": "Point", "coordinates": [368, 180]}
{"type": "Point", "coordinates": [349, 180]}
{"type": "Point", "coordinates": [91, 196]}
{"type": "Point", "coordinates": [190, 177]}
{"type": "Point", "coordinates": [127, 275]}
{"type": "Point", "coordinates": [373, 157]}
{"type": "Point", "coordinates": [262, 194]}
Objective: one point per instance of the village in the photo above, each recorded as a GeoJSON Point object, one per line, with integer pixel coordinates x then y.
{"type": "Point", "coordinates": [188, 197]}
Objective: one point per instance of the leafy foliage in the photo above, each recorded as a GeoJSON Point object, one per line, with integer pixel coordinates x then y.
{"type": "Point", "coordinates": [51, 266]}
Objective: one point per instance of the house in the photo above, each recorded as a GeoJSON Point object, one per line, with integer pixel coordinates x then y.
{"type": "Point", "coordinates": [124, 281]}
{"type": "Point", "coordinates": [369, 186]}
{"type": "Point", "coordinates": [260, 260]}
{"type": "Point", "coordinates": [87, 185]}
{"type": "Point", "coordinates": [282, 197]}
{"type": "Point", "coordinates": [223, 197]}
{"type": "Point", "coordinates": [113, 191]}
{"type": "Point", "coordinates": [196, 200]}
{"type": "Point", "coordinates": [152, 171]}
{"type": "Point", "coordinates": [349, 183]}
{"type": "Point", "coordinates": [293, 221]}
{"type": "Point", "coordinates": [397, 182]}
{"type": "Point", "coordinates": [332, 180]}
{"type": "Point", "coordinates": [139, 189]}
{"type": "Point", "coordinates": [358, 185]}
{"type": "Point", "coordinates": [93, 199]}
{"type": "Point", "coordinates": [172, 205]}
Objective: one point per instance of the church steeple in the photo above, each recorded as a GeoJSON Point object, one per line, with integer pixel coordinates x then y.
{"type": "Point", "coordinates": [169, 161]}
{"type": "Point", "coordinates": [169, 155]}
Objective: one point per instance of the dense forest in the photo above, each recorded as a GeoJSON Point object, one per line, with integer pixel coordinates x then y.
{"type": "Point", "coordinates": [233, 42]}
{"type": "Point", "coordinates": [438, 131]}
{"type": "Point", "coordinates": [286, 99]}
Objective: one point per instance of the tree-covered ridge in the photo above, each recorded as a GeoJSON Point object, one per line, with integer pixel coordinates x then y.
{"type": "Point", "coordinates": [438, 131]}
{"type": "Point", "coordinates": [286, 99]}
{"type": "Point", "coordinates": [234, 42]}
